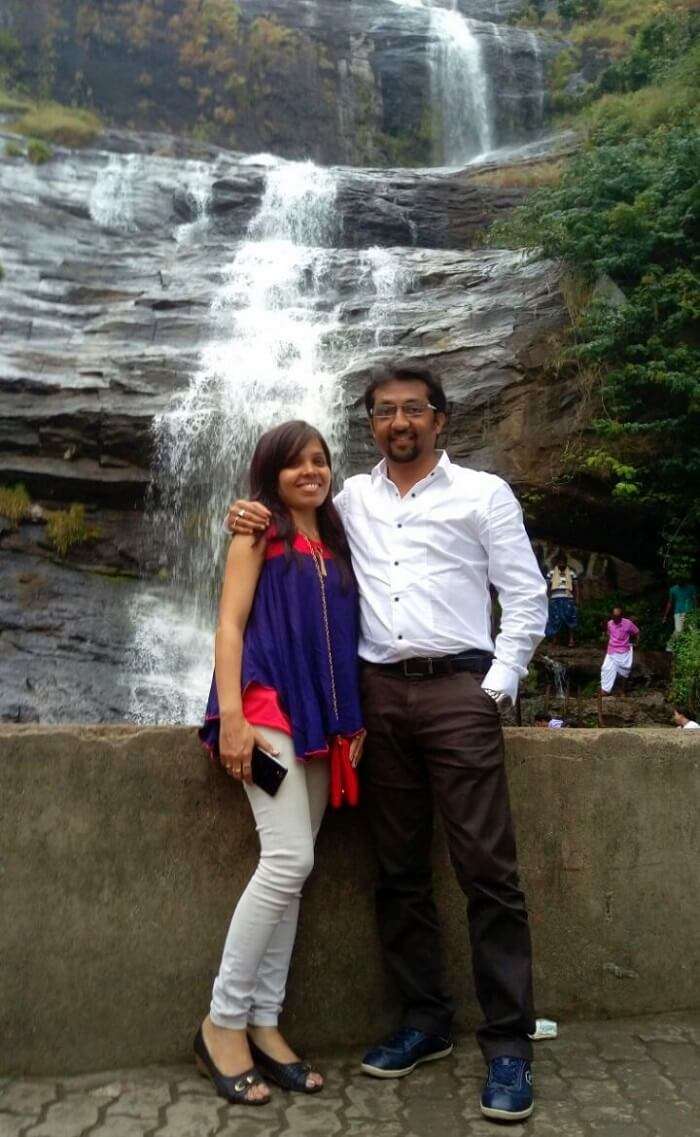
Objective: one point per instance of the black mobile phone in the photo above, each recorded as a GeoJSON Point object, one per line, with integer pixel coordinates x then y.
{"type": "Point", "coordinates": [266, 771]}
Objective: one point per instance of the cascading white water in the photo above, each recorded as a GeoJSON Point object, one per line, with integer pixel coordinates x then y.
{"type": "Point", "coordinates": [275, 352]}
{"type": "Point", "coordinates": [198, 194]}
{"type": "Point", "coordinates": [388, 278]}
{"type": "Point", "coordinates": [262, 366]}
{"type": "Point", "coordinates": [487, 82]}
{"type": "Point", "coordinates": [461, 89]}
{"type": "Point", "coordinates": [111, 202]}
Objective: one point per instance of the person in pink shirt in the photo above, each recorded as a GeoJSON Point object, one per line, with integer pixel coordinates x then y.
{"type": "Point", "coordinates": [620, 653]}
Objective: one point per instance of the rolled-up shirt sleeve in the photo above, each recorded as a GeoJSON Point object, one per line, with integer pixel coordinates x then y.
{"type": "Point", "coordinates": [522, 591]}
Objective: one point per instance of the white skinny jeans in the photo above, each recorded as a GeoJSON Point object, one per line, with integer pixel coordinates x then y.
{"type": "Point", "coordinates": [250, 986]}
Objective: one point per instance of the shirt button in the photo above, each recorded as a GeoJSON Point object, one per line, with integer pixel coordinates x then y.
{"type": "Point", "coordinates": [396, 562]}
{"type": "Point", "coordinates": [396, 598]}
{"type": "Point", "coordinates": [399, 525]}
{"type": "Point", "coordinates": [413, 495]}
{"type": "Point", "coordinates": [399, 637]}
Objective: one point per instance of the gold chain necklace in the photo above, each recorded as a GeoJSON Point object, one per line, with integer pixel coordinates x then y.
{"type": "Point", "coordinates": [320, 566]}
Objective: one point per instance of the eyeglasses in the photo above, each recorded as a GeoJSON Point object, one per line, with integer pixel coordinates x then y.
{"type": "Point", "coordinates": [387, 411]}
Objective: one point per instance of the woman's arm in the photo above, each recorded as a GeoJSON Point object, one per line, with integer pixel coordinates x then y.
{"type": "Point", "coordinates": [237, 737]}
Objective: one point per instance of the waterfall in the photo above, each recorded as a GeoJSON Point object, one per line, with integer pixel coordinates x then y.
{"type": "Point", "coordinates": [460, 89]}
{"type": "Point", "coordinates": [487, 82]}
{"type": "Point", "coordinates": [263, 365]}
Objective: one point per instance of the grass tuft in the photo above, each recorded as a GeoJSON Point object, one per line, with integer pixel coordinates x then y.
{"type": "Point", "coordinates": [528, 177]}
{"type": "Point", "coordinates": [67, 527]}
{"type": "Point", "coordinates": [38, 152]}
{"type": "Point", "coordinates": [51, 122]}
{"type": "Point", "coordinates": [15, 503]}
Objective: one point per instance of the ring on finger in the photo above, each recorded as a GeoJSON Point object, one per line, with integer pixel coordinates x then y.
{"type": "Point", "coordinates": [241, 512]}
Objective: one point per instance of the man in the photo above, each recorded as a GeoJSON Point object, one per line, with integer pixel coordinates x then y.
{"type": "Point", "coordinates": [683, 720]}
{"type": "Point", "coordinates": [619, 657]}
{"type": "Point", "coordinates": [427, 539]}
{"type": "Point", "coordinates": [563, 598]}
{"type": "Point", "coordinates": [682, 598]}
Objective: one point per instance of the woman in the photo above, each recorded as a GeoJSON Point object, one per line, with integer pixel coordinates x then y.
{"type": "Point", "coordinates": [286, 680]}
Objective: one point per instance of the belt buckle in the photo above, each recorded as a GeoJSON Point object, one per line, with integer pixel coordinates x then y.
{"type": "Point", "coordinates": [417, 674]}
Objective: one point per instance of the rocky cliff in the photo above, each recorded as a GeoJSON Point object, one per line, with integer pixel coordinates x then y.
{"type": "Point", "coordinates": [112, 261]}
{"type": "Point", "coordinates": [342, 81]}
{"type": "Point", "coordinates": [119, 260]}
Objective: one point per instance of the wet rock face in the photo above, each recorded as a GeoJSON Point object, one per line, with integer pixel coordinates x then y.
{"type": "Point", "coordinates": [111, 269]}
{"type": "Point", "coordinates": [343, 81]}
{"type": "Point", "coordinates": [112, 260]}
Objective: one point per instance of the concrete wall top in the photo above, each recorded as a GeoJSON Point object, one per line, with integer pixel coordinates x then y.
{"type": "Point", "coordinates": [123, 851]}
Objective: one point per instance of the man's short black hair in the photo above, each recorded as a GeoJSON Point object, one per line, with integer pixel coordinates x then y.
{"type": "Point", "coordinates": [681, 709]}
{"type": "Point", "coordinates": [385, 372]}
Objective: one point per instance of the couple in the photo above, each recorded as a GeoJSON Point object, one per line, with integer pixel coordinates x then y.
{"type": "Point", "coordinates": [421, 540]}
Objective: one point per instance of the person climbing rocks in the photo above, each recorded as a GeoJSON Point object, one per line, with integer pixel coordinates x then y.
{"type": "Point", "coordinates": [619, 656]}
{"type": "Point", "coordinates": [562, 586]}
{"type": "Point", "coordinates": [682, 599]}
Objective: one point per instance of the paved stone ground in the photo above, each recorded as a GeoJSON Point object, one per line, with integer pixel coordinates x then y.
{"type": "Point", "coordinates": [635, 1078]}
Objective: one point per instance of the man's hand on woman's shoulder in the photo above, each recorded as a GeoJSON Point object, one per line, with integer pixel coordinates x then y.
{"type": "Point", "coordinates": [247, 517]}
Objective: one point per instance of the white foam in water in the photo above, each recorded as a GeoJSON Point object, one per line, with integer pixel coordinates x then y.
{"type": "Point", "coordinates": [198, 190]}
{"type": "Point", "coordinates": [111, 202]}
{"type": "Point", "coordinates": [262, 366]}
{"type": "Point", "coordinates": [461, 93]}
{"type": "Point", "coordinates": [390, 278]}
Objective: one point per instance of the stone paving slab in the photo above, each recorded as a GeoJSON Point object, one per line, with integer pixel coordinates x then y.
{"type": "Point", "coordinates": [636, 1078]}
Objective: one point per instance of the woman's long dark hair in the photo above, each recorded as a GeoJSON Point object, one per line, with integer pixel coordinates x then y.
{"type": "Point", "coordinates": [276, 450]}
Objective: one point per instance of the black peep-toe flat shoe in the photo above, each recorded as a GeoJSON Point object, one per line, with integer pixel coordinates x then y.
{"type": "Point", "coordinates": [233, 1088]}
{"type": "Point", "coordinates": [287, 1075]}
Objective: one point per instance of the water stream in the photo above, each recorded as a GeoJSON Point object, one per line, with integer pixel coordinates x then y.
{"type": "Point", "coordinates": [461, 90]}
{"type": "Point", "coordinates": [262, 365]}
{"type": "Point", "coordinates": [478, 70]}
{"type": "Point", "coordinates": [277, 348]}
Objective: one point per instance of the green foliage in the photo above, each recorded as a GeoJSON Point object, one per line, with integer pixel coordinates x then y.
{"type": "Point", "coordinates": [13, 150]}
{"type": "Point", "coordinates": [66, 528]}
{"type": "Point", "coordinates": [627, 208]}
{"type": "Point", "coordinates": [685, 683]}
{"type": "Point", "coordinates": [658, 46]}
{"type": "Point", "coordinates": [579, 9]}
{"type": "Point", "coordinates": [14, 503]}
{"type": "Point", "coordinates": [38, 152]}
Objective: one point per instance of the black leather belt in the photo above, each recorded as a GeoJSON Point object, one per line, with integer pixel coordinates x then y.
{"type": "Point", "coordinates": [431, 667]}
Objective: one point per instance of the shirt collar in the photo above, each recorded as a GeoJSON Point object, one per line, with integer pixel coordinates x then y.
{"type": "Point", "coordinates": [444, 468]}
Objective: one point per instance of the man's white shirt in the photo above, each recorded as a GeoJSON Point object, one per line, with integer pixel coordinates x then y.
{"type": "Point", "coordinates": [424, 563]}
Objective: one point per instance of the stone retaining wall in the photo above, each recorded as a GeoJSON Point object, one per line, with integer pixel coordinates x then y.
{"type": "Point", "coordinates": [123, 852]}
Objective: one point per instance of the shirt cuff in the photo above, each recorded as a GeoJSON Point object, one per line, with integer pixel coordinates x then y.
{"type": "Point", "coordinates": [500, 677]}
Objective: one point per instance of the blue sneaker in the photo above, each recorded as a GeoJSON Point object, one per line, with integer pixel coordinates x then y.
{"type": "Point", "coordinates": [399, 1054]}
{"type": "Point", "coordinates": [507, 1092]}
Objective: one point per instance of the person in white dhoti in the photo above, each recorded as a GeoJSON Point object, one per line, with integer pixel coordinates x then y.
{"type": "Point", "coordinates": [619, 656]}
